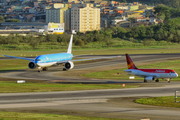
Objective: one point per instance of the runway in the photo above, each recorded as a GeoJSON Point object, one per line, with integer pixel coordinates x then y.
{"type": "Point", "coordinates": [110, 103]}
{"type": "Point", "coordinates": [56, 73]}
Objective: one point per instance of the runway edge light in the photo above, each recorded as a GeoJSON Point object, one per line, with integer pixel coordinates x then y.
{"type": "Point", "coordinates": [21, 81]}
{"type": "Point", "coordinates": [131, 77]}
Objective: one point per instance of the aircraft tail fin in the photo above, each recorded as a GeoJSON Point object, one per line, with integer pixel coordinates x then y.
{"type": "Point", "coordinates": [130, 63]}
{"type": "Point", "coordinates": [70, 44]}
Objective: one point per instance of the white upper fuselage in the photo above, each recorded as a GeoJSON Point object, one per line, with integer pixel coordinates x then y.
{"type": "Point", "coordinates": [156, 73]}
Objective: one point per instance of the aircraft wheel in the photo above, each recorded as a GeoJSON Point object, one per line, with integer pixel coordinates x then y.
{"type": "Point", "coordinates": [44, 69]}
{"type": "Point", "coordinates": [157, 80]}
{"type": "Point", "coordinates": [64, 69]}
{"type": "Point", "coordinates": [39, 71]}
{"type": "Point", "coordinates": [169, 80]}
{"type": "Point", "coordinates": [145, 81]}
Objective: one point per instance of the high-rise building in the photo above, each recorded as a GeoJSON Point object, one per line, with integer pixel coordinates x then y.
{"type": "Point", "coordinates": [59, 13]}
{"type": "Point", "coordinates": [85, 18]}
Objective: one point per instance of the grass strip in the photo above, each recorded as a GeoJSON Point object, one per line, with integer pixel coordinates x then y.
{"type": "Point", "coordinates": [159, 101]}
{"type": "Point", "coordinates": [112, 74]}
{"type": "Point", "coordinates": [36, 116]}
{"type": "Point", "coordinates": [13, 64]}
{"type": "Point", "coordinates": [13, 87]}
{"type": "Point", "coordinates": [94, 51]}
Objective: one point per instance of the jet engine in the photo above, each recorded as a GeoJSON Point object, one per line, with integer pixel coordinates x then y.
{"type": "Point", "coordinates": [149, 78]}
{"type": "Point", "coordinates": [32, 65]}
{"type": "Point", "coordinates": [69, 65]}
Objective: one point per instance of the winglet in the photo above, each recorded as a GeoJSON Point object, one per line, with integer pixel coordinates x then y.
{"type": "Point", "coordinates": [130, 63]}
{"type": "Point", "coordinates": [70, 44]}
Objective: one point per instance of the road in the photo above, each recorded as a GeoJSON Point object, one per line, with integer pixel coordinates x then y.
{"type": "Point", "coordinates": [111, 103]}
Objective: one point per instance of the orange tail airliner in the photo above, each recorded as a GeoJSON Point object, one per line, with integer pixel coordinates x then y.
{"type": "Point", "coordinates": [149, 74]}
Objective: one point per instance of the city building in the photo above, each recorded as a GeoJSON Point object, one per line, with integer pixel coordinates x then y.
{"type": "Point", "coordinates": [117, 19]}
{"type": "Point", "coordinates": [59, 13]}
{"type": "Point", "coordinates": [85, 18]}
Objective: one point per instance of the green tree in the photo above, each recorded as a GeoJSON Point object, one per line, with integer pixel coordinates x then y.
{"type": "Point", "coordinates": [13, 20]}
{"type": "Point", "coordinates": [79, 42]}
{"type": "Point", "coordinates": [131, 19]}
{"type": "Point", "coordinates": [124, 1]}
{"type": "Point", "coordinates": [147, 14]}
{"type": "Point", "coordinates": [1, 19]}
{"type": "Point", "coordinates": [34, 43]}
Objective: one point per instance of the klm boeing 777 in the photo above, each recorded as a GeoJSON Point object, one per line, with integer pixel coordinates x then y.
{"type": "Point", "coordinates": [42, 62]}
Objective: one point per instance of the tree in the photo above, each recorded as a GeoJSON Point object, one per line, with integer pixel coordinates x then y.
{"type": "Point", "coordinates": [34, 43]}
{"type": "Point", "coordinates": [1, 19]}
{"type": "Point", "coordinates": [79, 42]}
{"type": "Point", "coordinates": [124, 1]}
{"type": "Point", "coordinates": [161, 16]}
{"type": "Point", "coordinates": [13, 20]}
{"type": "Point", "coordinates": [131, 19]}
{"type": "Point", "coordinates": [147, 14]}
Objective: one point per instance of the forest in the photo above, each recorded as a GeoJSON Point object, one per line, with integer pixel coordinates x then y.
{"type": "Point", "coordinates": [172, 3]}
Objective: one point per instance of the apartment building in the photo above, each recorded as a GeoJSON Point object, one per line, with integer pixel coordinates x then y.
{"type": "Point", "coordinates": [59, 13]}
{"type": "Point", "coordinates": [85, 18]}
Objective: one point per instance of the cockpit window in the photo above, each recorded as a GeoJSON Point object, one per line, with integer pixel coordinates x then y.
{"type": "Point", "coordinates": [172, 72]}
{"type": "Point", "coordinates": [38, 59]}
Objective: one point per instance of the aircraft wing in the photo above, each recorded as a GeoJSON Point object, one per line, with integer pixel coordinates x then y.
{"type": "Point", "coordinates": [95, 58]}
{"type": "Point", "coordinates": [81, 55]}
{"type": "Point", "coordinates": [19, 57]}
{"type": "Point", "coordinates": [60, 62]}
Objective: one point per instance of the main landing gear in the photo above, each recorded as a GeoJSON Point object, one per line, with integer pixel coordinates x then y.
{"type": "Point", "coordinates": [157, 80]}
{"type": "Point", "coordinates": [145, 81]}
{"type": "Point", "coordinates": [43, 69]}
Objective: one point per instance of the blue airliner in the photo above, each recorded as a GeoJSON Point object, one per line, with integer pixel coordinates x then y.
{"type": "Point", "coordinates": [42, 62]}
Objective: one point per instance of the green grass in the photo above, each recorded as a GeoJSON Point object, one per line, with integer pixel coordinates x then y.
{"type": "Point", "coordinates": [159, 101]}
{"type": "Point", "coordinates": [36, 116]}
{"type": "Point", "coordinates": [13, 87]}
{"type": "Point", "coordinates": [13, 64]}
{"type": "Point", "coordinates": [97, 51]}
{"type": "Point", "coordinates": [112, 74]}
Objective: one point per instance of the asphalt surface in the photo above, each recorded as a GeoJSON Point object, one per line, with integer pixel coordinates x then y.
{"type": "Point", "coordinates": [111, 103]}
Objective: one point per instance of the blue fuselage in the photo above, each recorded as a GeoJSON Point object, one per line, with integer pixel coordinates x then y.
{"type": "Point", "coordinates": [51, 59]}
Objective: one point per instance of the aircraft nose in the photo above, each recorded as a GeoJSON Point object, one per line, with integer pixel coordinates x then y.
{"type": "Point", "coordinates": [176, 75]}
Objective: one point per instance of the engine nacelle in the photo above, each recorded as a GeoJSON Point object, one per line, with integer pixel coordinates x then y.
{"type": "Point", "coordinates": [149, 78]}
{"type": "Point", "coordinates": [32, 65]}
{"type": "Point", "coordinates": [69, 65]}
